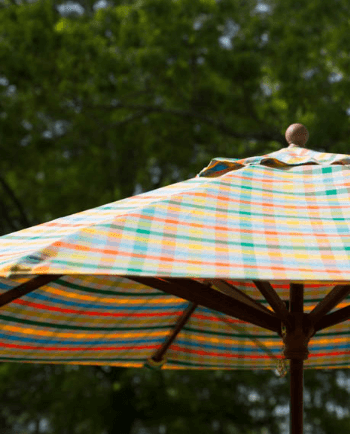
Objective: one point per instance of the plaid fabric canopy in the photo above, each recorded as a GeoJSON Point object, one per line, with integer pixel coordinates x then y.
{"type": "Point", "coordinates": [282, 217]}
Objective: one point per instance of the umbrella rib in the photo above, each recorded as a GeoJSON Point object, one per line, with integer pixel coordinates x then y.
{"type": "Point", "coordinates": [25, 288]}
{"type": "Point", "coordinates": [247, 311]}
{"type": "Point", "coordinates": [212, 299]}
{"type": "Point", "coordinates": [331, 300]}
{"type": "Point", "coordinates": [271, 296]}
{"type": "Point", "coordinates": [182, 320]}
{"type": "Point", "coordinates": [333, 318]}
{"type": "Point", "coordinates": [237, 294]}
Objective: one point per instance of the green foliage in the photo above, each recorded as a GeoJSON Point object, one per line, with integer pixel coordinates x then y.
{"type": "Point", "coordinates": [139, 94]}
{"type": "Point", "coordinates": [103, 400]}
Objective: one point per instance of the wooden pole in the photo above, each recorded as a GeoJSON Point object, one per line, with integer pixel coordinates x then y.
{"type": "Point", "coordinates": [297, 134]}
{"type": "Point", "coordinates": [296, 396]}
{"type": "Point", "coordinates": [296, 306]}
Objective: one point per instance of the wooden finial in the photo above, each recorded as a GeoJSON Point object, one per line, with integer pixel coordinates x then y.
{"type": "Point", "coordinates": [297, 134]}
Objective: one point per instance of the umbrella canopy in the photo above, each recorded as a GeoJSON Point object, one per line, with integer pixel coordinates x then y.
{"type": "Point", "coordinates": [282, 217]}
{"type": "Point", "coordinates": [114, 321]}
{"type": "Point", "coordinates": [198, 274]}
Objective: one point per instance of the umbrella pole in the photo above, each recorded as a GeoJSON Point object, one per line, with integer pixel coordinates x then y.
{"type": "Point", "coordinates": [296, 396]}
{"type": "Point", "coordinates": [296, 350]}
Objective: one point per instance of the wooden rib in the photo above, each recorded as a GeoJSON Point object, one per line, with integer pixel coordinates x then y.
{"type": "Point", "coordinates": [247, 311]}
{"type": "Point", "coordinates": [212, 299]}
{"type": "Point", "coordinates": [237, 294]}
{"type": "Point", "coordinates": [333, 298]}
{"type": "Point", "coordinates": [274, 300]}
{"type": "Point", "coordinates": [333, 318]}
{"type": "Point", "coordinates": [158, 355]}
{"type": "Point", "coordinates": [25, 288]}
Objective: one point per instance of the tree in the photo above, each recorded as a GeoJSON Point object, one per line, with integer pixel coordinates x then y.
{"type": "Point", "coordinates": [155, 90]}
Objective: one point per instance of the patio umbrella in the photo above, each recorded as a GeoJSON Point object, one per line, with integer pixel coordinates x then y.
{"type": "Point", "coordinates": [221, 271]}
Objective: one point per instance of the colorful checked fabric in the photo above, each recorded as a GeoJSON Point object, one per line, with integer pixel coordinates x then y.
{"type": "Point", "coordinates": [281, 217]}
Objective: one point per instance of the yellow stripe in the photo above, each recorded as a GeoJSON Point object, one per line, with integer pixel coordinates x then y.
{"type": "Point", "coordinates": [121, 334]}
{"type": "Point", "coordinates": [120, 300]}
{"type": "Point", "coordinates": [57, 318]}
{"type": "Point", "coordinates": [73, 354]}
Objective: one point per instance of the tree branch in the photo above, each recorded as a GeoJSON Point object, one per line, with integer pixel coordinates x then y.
{"type": "Point", "coordinates": [220, 126]}
{"type": "Point", "coordinates": [7, 218]}
{"type": "Point", "coordinates": [130, 118]}
{"type": "Point", "coordinates": [23, 217]}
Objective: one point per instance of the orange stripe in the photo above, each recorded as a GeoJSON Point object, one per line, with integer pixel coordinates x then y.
{"type": "Point", "coordinates": [63, 244]}
{"type": "Point", "coordinates": [74, 348]}
{"type": "Point", "coordinates": [81, 335]}
{"type": "Point", "coordinates": [328, 354]}
{"type": "Point", "coordinates": [216, 354]}
{"type": "Point", "coordinates": [94, 313]}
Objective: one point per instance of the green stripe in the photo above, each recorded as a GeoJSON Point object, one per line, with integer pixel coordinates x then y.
{"type": "Point", "coordinates": [216, 366]}
{"type": "Point", "coordinates": [161, 327]}
{"type": "Point", "coordinates": [306, 301]}
{"type": "Point", "coordinates": [331, 191]}
{"type": "Point", "coordinates": [58, 360]}
{"type": "Point", "coordinates": [326, 365]}
{"type": "Point", "coordinates": [92, 266]}
{"type": "Point", "coordinates": [239, 335]}
{"type": "Point", "coordinates": [106, 292]}
{"type": "Point", "coordinates": [239, 212]}
{"type": "Point", "coordinates": [72, 327]}
{"type": "Point", "coordinates": [186, 328]}
{"type": "Point", "coordinates": [333, 333]}
{"type": "Point", "coordinates": [175, 362]}
{"type": "Point", "coordinates": [152, 233]}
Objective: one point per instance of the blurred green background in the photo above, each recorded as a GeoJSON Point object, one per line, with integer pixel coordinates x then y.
{"type": "Point", "coordinates": [103, 100]}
